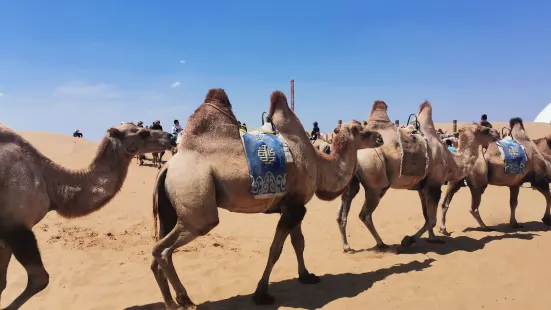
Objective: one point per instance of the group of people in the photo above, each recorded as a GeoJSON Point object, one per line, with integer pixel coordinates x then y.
{"type": "Point", "coordinates": [156, 125]}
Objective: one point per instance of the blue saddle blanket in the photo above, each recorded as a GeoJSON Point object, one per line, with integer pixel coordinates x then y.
{"type": "Point", "coordinates": [267, 165]}
{"type": "Point", "coordinates": [513, 154]}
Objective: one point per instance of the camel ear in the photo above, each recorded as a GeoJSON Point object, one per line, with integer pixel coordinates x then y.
{"type": "Point", "coordinates": [144, 134]}
{"type": "Point", "coordinates": [337, 130]}
{"type": "Point", "coordinates": [115, 133]}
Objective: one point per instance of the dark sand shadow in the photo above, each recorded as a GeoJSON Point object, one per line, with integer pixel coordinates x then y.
{"type": "Point", "coordinates": [533, 226]}
{"type": "Point", "coordinates": [290, 293]}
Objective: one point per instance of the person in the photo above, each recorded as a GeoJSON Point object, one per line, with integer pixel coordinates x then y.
{"type": "Point", "coordinates": [244, 127]}
{"type": "Point", "coordinates": [451, 148]}
{"type": "Point", "coordinates": [484, 121]}
{"type": "Point", "coordinates": [268, 127]}
{"type": "Point", "coordinates": [315, 132]}
{"type": "Point", "coordinates": [176, 128]}
{"type": "Point", "coordinates": [140, 124]}
{"type": "Point", "coordinates": [77, 133]}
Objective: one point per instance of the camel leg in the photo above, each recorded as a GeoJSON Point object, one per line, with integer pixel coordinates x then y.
{"type": "Point", "coordinates": [453, 187]}
{"type": "Point", "coordinates": [163, 284]}
{"type": "Point", "coordinates": [25, 249]}
{"type": "Point", "coordinates": [342, 215]}
{"type": "Point", "coordinates": [543, 188]}
{"type": "Point", "coordinates": [297, 239]}
{"type": "Point", "coordinates": [372, 199]}
{"type": "Point", "coordinates": [290, 218]}
{"type": "Point", "coordinates": [430, 196]}
{"type": "Point", "coordinates": [162, 252]}
{"type": "Point", "coordinates": [5, 257]}
{"type": "Point", "coordinates": [476, 197]}
{"type": "Point", "coordinates": [513, 203]}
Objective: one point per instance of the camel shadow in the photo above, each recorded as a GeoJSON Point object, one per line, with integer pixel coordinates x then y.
{"type": "Point", "coordinates": [290, 293]}
{"type": "Point", "coordinates": [461, 243]}
{"type": "Point", "coordinates": [533, 226]}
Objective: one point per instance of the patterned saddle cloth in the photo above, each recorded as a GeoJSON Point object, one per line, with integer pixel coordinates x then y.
{"type": "Point", "coordinates": [267, 155]}
{"type": "Point", "coordinates": [513, 154]}
{"type": "Point", "coordinates": [414, 152]}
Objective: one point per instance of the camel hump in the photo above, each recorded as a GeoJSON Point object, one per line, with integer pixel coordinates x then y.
{"type": "Point", "coordinates": [425, 105]}
{"type": "Point", "coordinates": [218, 96]}
{"type": "Point", "coordinates": [516, 120]}
{"type": "Point", "coordinates": [278, 100]}
{"type": "Point", "coordinates": [379, 112]}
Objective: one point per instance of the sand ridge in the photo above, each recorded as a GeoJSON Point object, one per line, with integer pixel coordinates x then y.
{"type": "Point", "coordinates": [102, 261]}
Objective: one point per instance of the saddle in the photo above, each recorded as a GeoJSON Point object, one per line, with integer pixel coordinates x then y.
{"type": "Point", "coordinates": [413, 149]}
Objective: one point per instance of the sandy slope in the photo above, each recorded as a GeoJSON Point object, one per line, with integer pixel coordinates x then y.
{"type": "Point", "coordinates": [102, 261]}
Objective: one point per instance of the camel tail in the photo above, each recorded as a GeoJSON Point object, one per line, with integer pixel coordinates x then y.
{"type": "Point", "coordinates": [163, 211]}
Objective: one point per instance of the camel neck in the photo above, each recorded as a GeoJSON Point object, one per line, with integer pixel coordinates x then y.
{"type": "Point", "coordinates": [75, 193]}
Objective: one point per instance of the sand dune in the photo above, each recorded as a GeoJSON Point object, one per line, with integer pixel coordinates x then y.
{"type": "Point", "coordinates": [102, 261]}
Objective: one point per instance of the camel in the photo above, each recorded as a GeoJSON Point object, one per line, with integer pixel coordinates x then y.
{"type": "Point", "coordinates": [322, 146]}
{"type": "Point", "coordinates": [210, 171]}
{"type": "Point", "coordinates": [31, 185]}
{"type": "Point", "coordinates": [490, 170]}
{"type": "Point", "coordinates": [158, 159]}
{"type": "Point", "coordinates": [544, 144]}
{"type": "Point", "coordinates": [385, 167]}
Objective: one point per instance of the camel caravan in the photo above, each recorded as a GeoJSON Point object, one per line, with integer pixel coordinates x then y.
{"type": "Point", "coordinates": [277, 169]}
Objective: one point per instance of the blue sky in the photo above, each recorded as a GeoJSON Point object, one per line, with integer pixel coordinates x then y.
{"type": "Point", "coordinates": [91, 64]}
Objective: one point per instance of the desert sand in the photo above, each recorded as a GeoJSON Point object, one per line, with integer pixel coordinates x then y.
{"type": "Point", "coordinates": [102, 261]}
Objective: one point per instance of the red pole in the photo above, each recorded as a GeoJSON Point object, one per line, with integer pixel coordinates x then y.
{"type": "Point", "coordinates": [293, 95]}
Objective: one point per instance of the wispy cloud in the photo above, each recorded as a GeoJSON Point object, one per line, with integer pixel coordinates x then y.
{"type": "Point", "coordinates": [175, 84]}
{"type": "Point", "coordinates": [182, 61]}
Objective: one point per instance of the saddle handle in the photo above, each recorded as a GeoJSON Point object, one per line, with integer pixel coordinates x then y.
{"type": "Point", "coordinates": [503, 134]}
{"type": "Point", "coordinates": [272, 123]}
{"type": "Point", "coordinates": [416, 123]}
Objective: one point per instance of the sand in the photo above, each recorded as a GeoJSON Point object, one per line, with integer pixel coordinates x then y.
{"type": "Point", "coordinates": [102, 261]}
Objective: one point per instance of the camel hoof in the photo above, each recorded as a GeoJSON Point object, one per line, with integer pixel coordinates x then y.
{"type": "Point", "coordinates": [185, 303]}
{"type": "Point", "coordinates": [309, 278]}
{"type": "Point", "coordinates": [263, 298]}
{"type": "Point", "coordinates": [349, 251]}
{"type": "Point", "coordinates": [516, 225]}
{"type": "Point", "coordinates": [445, 232]}
{"type": "Point", "coordinates": [407, 241]}
{"type": "Point", "coordinates": [382, 247]}
{"type": "Point", "coordinates": [546, 221]}
{"type": "Point", "coordinates": [435, 241]}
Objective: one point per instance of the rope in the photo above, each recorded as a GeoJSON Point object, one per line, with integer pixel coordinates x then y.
{"type": "Point", "coordinates": [221, 111]}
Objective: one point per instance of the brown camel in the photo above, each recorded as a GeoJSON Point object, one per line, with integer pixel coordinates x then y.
{"type": "Point", "coordinates": [31, 185]}
{"type": "Point", "coordinates": [401, 163]}
{"type": "Point", "coordinates": [158, 159]}
{"type": "Point", "coordinates": [490, 170]}
{"type": "Point", "coordinates": [211, 171]}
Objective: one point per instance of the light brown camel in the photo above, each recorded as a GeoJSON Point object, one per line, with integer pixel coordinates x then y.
{"type": "Point", "coordinates": [211, 171]}
{"type": "Point", "coordinates": [385, 167]}
{"type": "Point", "coordinates": [31, 185]}
{"type": "Point", "coordinates": [490, 170]}
{"type": "Point", "coordinates": [322, 146]}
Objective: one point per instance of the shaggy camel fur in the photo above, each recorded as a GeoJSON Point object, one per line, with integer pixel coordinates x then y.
{"type": "Point", "coordinates": [31, 185]}
{"type": "Point", "coordinates": [379, 169]}
{"type": "Point", "coordinates": [489, 170]}
{"type": "Point", "coordinates": [210, 171]}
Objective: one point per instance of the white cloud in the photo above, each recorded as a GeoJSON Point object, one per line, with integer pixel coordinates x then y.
{"type": "Point", "coordinates": [175, 84]}
{"type": "Point", "coordinates": [182, 62]}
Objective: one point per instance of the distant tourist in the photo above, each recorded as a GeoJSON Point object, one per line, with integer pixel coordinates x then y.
{"type": "Point", "coordinates": [140, 124]}
{"type": "Point", "coordinates": [484, 121]}
{"type": "Point", "coordinates": [315, 132]}
{"type": "Point", "coordinates": [77, 133]}
{"type": "Point", "coordinates": [450, 146]}
{"type": "Point", "coordinates": [176, 128]}
{"type": "Point", "coordinates": [156, 125]}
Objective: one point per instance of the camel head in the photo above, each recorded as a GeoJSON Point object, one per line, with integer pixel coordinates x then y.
{"type": "Point", "coordinates": [133, 140]}
{"type": "Point", "coordinates": [476, 133]}
{"type": "Point", "coordinates": [362, 137]}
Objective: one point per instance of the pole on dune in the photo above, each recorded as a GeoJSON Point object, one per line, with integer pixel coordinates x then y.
{"type": "Point", "coordinates": [293, 95]}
